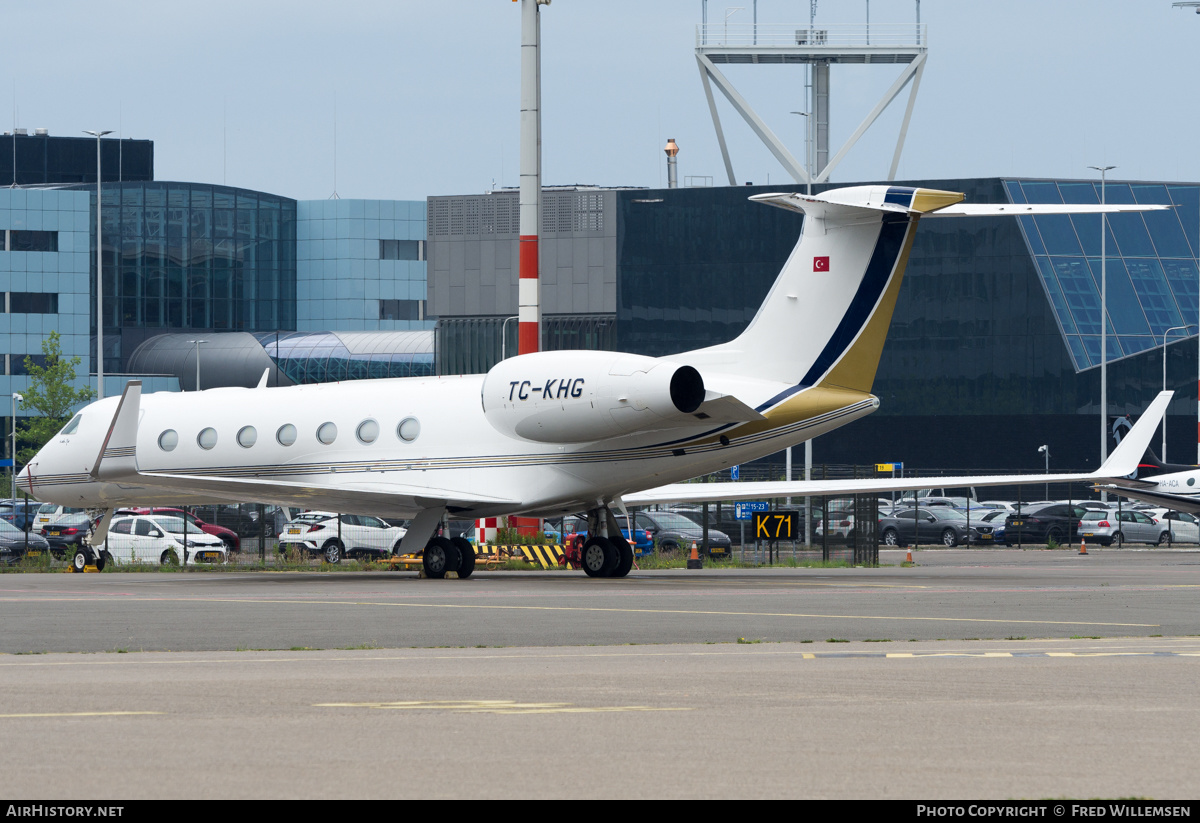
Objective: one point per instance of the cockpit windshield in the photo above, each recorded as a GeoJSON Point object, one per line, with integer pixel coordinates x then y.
{"type": "Point", "coordinates": [71, 427]}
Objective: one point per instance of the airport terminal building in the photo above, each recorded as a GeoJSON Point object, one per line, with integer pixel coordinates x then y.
{"type": "Point", "coordinates": [994, 346]}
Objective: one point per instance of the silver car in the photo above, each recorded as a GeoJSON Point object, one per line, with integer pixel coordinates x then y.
{"type": "Point", "coordinates": [1107, 528]}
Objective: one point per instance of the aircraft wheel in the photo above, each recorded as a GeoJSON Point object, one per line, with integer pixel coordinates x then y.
{"type": "Point", "coordinates": [624, 558]}
{"type": "Point", "coordinates": [79, 561]}
{"type": "Point", "coordinates": [599, 557]}
{"type": "Point", "coordinates": [466, 556]}
{"type": "Point", "coordinates": [333, 552]}
{"type": "Point", "coordinates": [103, 560]}
{"type": "Point", "coordinates": [440, 556]}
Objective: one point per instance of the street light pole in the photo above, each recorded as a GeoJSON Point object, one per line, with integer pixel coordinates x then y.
{"type": "Point", "coordinates": [197, 342]}
{"type": "Point", "coordinates": [1103, 323]}
{"type": "Point", "coordinates": [99, 277]}
{"type": "Point", "coordinates": [12, 486]}
{"type": "Point", "coordinates": [1163, 455]}
{"type": "Point", "coordinates": [807, 443]}
{"type": "Point", "coordinates": [1195, 6]}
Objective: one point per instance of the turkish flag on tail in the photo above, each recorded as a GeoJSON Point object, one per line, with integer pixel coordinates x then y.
{"type": "Point", "coordinates": [821, 263]}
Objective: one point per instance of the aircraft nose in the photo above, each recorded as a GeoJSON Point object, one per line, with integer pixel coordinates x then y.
{"type": "Point", "coordinates": [25, 474]}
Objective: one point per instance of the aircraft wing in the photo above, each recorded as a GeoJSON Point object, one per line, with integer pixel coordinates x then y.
{"type": "Point", "coordinates": [1121, 463]}
{"type": "Point", "coordinates": [1178, 502]}
{"type": "Point", "coordinates": [117, 463]}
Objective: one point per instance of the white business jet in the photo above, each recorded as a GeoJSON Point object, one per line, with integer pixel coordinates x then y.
{"type": "Point", "coordinates": [550, 433]}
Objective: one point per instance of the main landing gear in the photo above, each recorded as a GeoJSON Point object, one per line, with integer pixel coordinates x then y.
{"type": "Point", "coordinates": [443, 555]}
{"type": "Point", "coordinates": [602, 555]}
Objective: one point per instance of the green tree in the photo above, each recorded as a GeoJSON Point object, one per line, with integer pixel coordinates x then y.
{"type": "Point", "coordinates": [52, 394]}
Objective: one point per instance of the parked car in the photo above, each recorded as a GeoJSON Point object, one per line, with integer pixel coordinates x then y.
{"type": "Point", "coordinates": [157, 538]}
{"type": "Point", "coordinates": [670, 531]}
{"type": "Point", "coordinates": [359, 535]}
{"type": "Point", "coordinates": [1043, 522]}
{"type": "Point", "coordinates": [727, 522]}
{"type": "Point", "coordinates": [1185, 528]}
{"type": "Point", "coordinates": [576, 525]}
{"type": "Point", "coordinates": [66, 534]}
{"type": "Point", "coordinates": [937, 524]}
{"type": "Point", "coordinates": [953, 502]}
{"type": "Point", "coordinates": [243, 521]}
{"type": "Point", "coordinates": [841, 526]}
{"type": "Point", "coordinates": [48, 513]}
{"type": "Point", "coordinates": [17, 543]}
{"type": "Point", "coordinates": [1107, 528]}
{"type": "Point", "coordinates": [991, 526]}
{"type": "Point", "coordinates": [232, 542]}
{"type": "Point", "coordinates": [20, 513]}
{"type": "Point", "coordinates": [999, 504]}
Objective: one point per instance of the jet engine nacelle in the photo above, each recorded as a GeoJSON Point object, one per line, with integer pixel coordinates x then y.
{"type": "Point", "coordinates": [580, 396]}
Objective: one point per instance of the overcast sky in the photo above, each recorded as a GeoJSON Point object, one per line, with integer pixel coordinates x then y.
{"type": "Point", "coordinates": [426, 94]}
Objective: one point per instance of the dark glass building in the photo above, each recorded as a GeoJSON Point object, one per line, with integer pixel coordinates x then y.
{"type": "Point", "coordinates": [42, 159]}
{"type": "Point", "coordinates": [181, 256]}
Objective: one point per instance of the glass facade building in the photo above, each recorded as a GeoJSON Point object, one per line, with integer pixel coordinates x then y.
{"type": "Point", "coordinates": [193, 256]}
{"type": "Point", "coordinates": [361, 265]}
{"type": "Point", "coordinates": [1150, 260]}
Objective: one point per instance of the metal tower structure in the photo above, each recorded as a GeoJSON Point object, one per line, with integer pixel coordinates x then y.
{"type": "Point", "coordinates": [817, 48]}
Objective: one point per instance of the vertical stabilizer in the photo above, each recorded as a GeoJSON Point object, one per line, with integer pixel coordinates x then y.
{"type": "Point", "coordinates": [825, 320]}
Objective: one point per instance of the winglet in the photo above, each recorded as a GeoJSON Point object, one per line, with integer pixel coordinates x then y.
{"type": "Point", "coordinates": [117, 457]}
{"type": "Point", "coordinates": [1126, 456]}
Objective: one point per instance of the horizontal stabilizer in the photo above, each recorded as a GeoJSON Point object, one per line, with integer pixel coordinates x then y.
{"type": "Point", "coordinates": [931, 203]}
{"type": "Point", "coordinates": [1017, 209]}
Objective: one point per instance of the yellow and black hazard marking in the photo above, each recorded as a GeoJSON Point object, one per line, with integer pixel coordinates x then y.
{"type": "Point", "coordinates": [496, 707]}
{"type": "Point", "coordinates": [548, 557]}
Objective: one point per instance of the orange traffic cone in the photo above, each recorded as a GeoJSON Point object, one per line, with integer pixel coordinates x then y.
{"type": "Point", "coordinates": [1082, 545]}
{"type": "Point", "coordinates": [908, 556]}
{"type": "Point", "coordinates": [694, 560]}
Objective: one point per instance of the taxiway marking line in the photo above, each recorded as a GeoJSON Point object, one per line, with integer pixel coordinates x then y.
{"type": "Point", "coordinates": [649, 651]}
{"type": "Point", "coordinates": [690, 612]}
{"type": "Point", "coordinates": [73, 714]}
{"type": "Point", "coordinates": [499, 707]}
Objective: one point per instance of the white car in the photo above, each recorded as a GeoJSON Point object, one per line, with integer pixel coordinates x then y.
{"type": "Point", "coordinates": [359, 535]}
{"type": "Point", "coordinates": [159, 538]}
{"type": "Point", "coordinates": [1185, 528]}
{"type": "Point", "coordinates": [47, 513]}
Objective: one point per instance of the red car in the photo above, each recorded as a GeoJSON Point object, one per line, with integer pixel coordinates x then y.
{"type": "Point", "coordinates": [229, 537]}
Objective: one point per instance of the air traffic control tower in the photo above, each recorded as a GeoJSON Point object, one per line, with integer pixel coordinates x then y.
{"type": "Point", "coordinates": [817, 48]}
